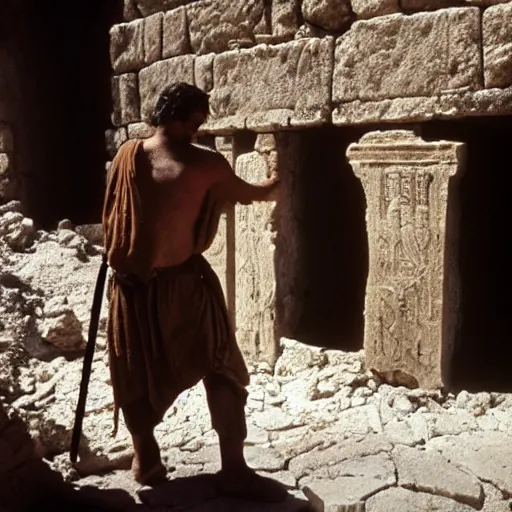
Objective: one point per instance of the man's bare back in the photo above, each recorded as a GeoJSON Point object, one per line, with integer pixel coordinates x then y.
{"type": "Point", "coordinates": [176, 179]}
{"type": "Point", "coordinates": [172, 195]}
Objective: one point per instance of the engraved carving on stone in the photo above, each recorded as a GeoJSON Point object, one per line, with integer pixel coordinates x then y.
{"type": "Point", "coordinates": [404, 261]}
{"type": "Point", "coordinates": [255, 273]}
{"type": "Point", "coordinates": [406, 184]}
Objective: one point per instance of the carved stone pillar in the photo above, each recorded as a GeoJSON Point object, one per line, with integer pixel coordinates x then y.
{"type": "Point", "coordinates": [255, 266]}
{"type": "Point", "coordinates": [412, 299]}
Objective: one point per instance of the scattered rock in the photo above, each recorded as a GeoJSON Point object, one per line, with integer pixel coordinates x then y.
{"type": "Point", "coordinates": [63, 331]}
{"type": "Point", "coordinates": [297, 357]}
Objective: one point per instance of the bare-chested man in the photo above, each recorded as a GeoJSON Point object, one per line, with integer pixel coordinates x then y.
{"type": "Point", "coordinates": [168, 322]}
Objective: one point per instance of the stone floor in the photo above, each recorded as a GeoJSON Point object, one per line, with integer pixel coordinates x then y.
{"type": "Point", "coordinates": [374, 473]}
{"type": "Point", "coordinates": [340, 441]}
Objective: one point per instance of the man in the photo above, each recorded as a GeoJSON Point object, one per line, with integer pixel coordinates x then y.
{"type": "Point", "coordinates": [168, 322]}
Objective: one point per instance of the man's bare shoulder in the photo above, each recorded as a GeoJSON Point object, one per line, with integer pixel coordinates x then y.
{"type": "Point", "coordinates": [210, 157]}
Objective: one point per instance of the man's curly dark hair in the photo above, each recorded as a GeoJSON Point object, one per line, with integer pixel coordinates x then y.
{"type": "Point", "coordinates": [177, 102]}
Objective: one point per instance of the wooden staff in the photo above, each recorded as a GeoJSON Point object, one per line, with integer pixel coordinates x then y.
{"type": "Point", "coordinates": [89, 353]}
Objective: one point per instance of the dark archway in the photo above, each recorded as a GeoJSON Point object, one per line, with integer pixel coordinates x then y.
{"type": "Point", "coordinates": [62, 58]}
{"type": "Point", "coordinates": [330, 248]}
{"type": "Point", "coordinates": [484, 351]}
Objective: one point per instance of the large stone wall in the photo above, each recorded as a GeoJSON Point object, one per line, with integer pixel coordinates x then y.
{"type": "Point", "coordinates": [347, 63]}
{"type": "Point", "coordinates": [273, 66]}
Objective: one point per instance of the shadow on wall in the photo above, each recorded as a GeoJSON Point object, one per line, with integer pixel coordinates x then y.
{"type": "Point", "coordinates": [322, 247]}
{"type": "Point", "coordinates": [483, 348]}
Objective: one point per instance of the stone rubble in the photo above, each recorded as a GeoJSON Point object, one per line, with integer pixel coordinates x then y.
{"type": "Point", "coordinates": [318, 422]}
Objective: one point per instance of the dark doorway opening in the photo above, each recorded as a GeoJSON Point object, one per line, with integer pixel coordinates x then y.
{"type": "Point", "coordinates": [62, 57]}
{"type": "Point", "coordinates": [484, 350]}
{"type": "Point", "coordinates": [325, 212]}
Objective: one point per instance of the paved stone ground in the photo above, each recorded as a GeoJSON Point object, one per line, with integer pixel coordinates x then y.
{"type": "Point", "coordinates": [340, 441]}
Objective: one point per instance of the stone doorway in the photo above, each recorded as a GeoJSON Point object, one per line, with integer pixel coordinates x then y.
{"type": "Point", "coordinates": [326, 212]}
{"type": "Point", "coordinates": [63, 68]}
{"type": "Point", "coordinates": [484, 352]}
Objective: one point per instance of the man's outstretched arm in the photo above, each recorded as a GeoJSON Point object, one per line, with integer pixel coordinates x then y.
{"type": "Point", "coordinates": [235, 190]}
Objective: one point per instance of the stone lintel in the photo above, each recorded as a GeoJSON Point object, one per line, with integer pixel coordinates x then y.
{"type": "Point", "coordinates": [412, 293]}
{"type": "Point", "coordinates": [450, 105]}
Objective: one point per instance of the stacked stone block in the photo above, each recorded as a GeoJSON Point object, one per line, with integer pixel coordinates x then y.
{"type": "Point", "coordinates": [371, 60]}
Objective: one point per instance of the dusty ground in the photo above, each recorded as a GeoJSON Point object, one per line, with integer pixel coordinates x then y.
{"type": "Point", "coordinates": [336, 437]}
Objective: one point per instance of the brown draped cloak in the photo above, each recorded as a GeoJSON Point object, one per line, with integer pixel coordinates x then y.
{"type": "Point", "coordinates": [170, 329]}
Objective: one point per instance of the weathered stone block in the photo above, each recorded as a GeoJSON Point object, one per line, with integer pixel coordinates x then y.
{"type": "Point", "coordinates": [6, 138]}
{"type": "Point", "coordinates": [285, 17]}
{"type": "Point", "coordinates": [156, 77]}
{"type": "Point", "coordinates": [397, 56]}
{"type": "Point", "coordinates": [203, 72]}
{"type": "Point", "coordinates": [432, 473]}
{"type": "Point", "coordinates": [125, 95]}
{"type": "Point", "coordinates": [4, 163]}
{"type": "Point", "coordinates": [266, 85]}
{"type": "Point", "coordinates": [140, 131]}
{"type": "Point", "coordinates": [153, 38]}
{"type": "Point", "coordinates": [487, 455]}
{"type": "Point", "coordinates": [365, 9]}
{"type": "Point", "coordinates": [497, 41]}
{"type": "Point", "coordinates": [127, 46]}
{"type": "Point", "coordinates": [346, 485]}
{"type": "Point", "coordinates": [254, 262]}
{"type": "Point", "coordinates": [212, 24]}
{"type": "Point", "coordinates": [176, 39]}
{"type": "Point", "coordinates": [330, 15]}
{"type": "Point", "coordinates": [446, 106]}
{"type": "Point", "coordinates": [412, 299]}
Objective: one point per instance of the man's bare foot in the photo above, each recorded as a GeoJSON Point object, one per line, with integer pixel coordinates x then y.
{"type": "Point", "coordinates": [147, 464]}
{"type": "Point", "coordinates": [155, 476]}
{"type": "Point", "coordinates": [248, 485]}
